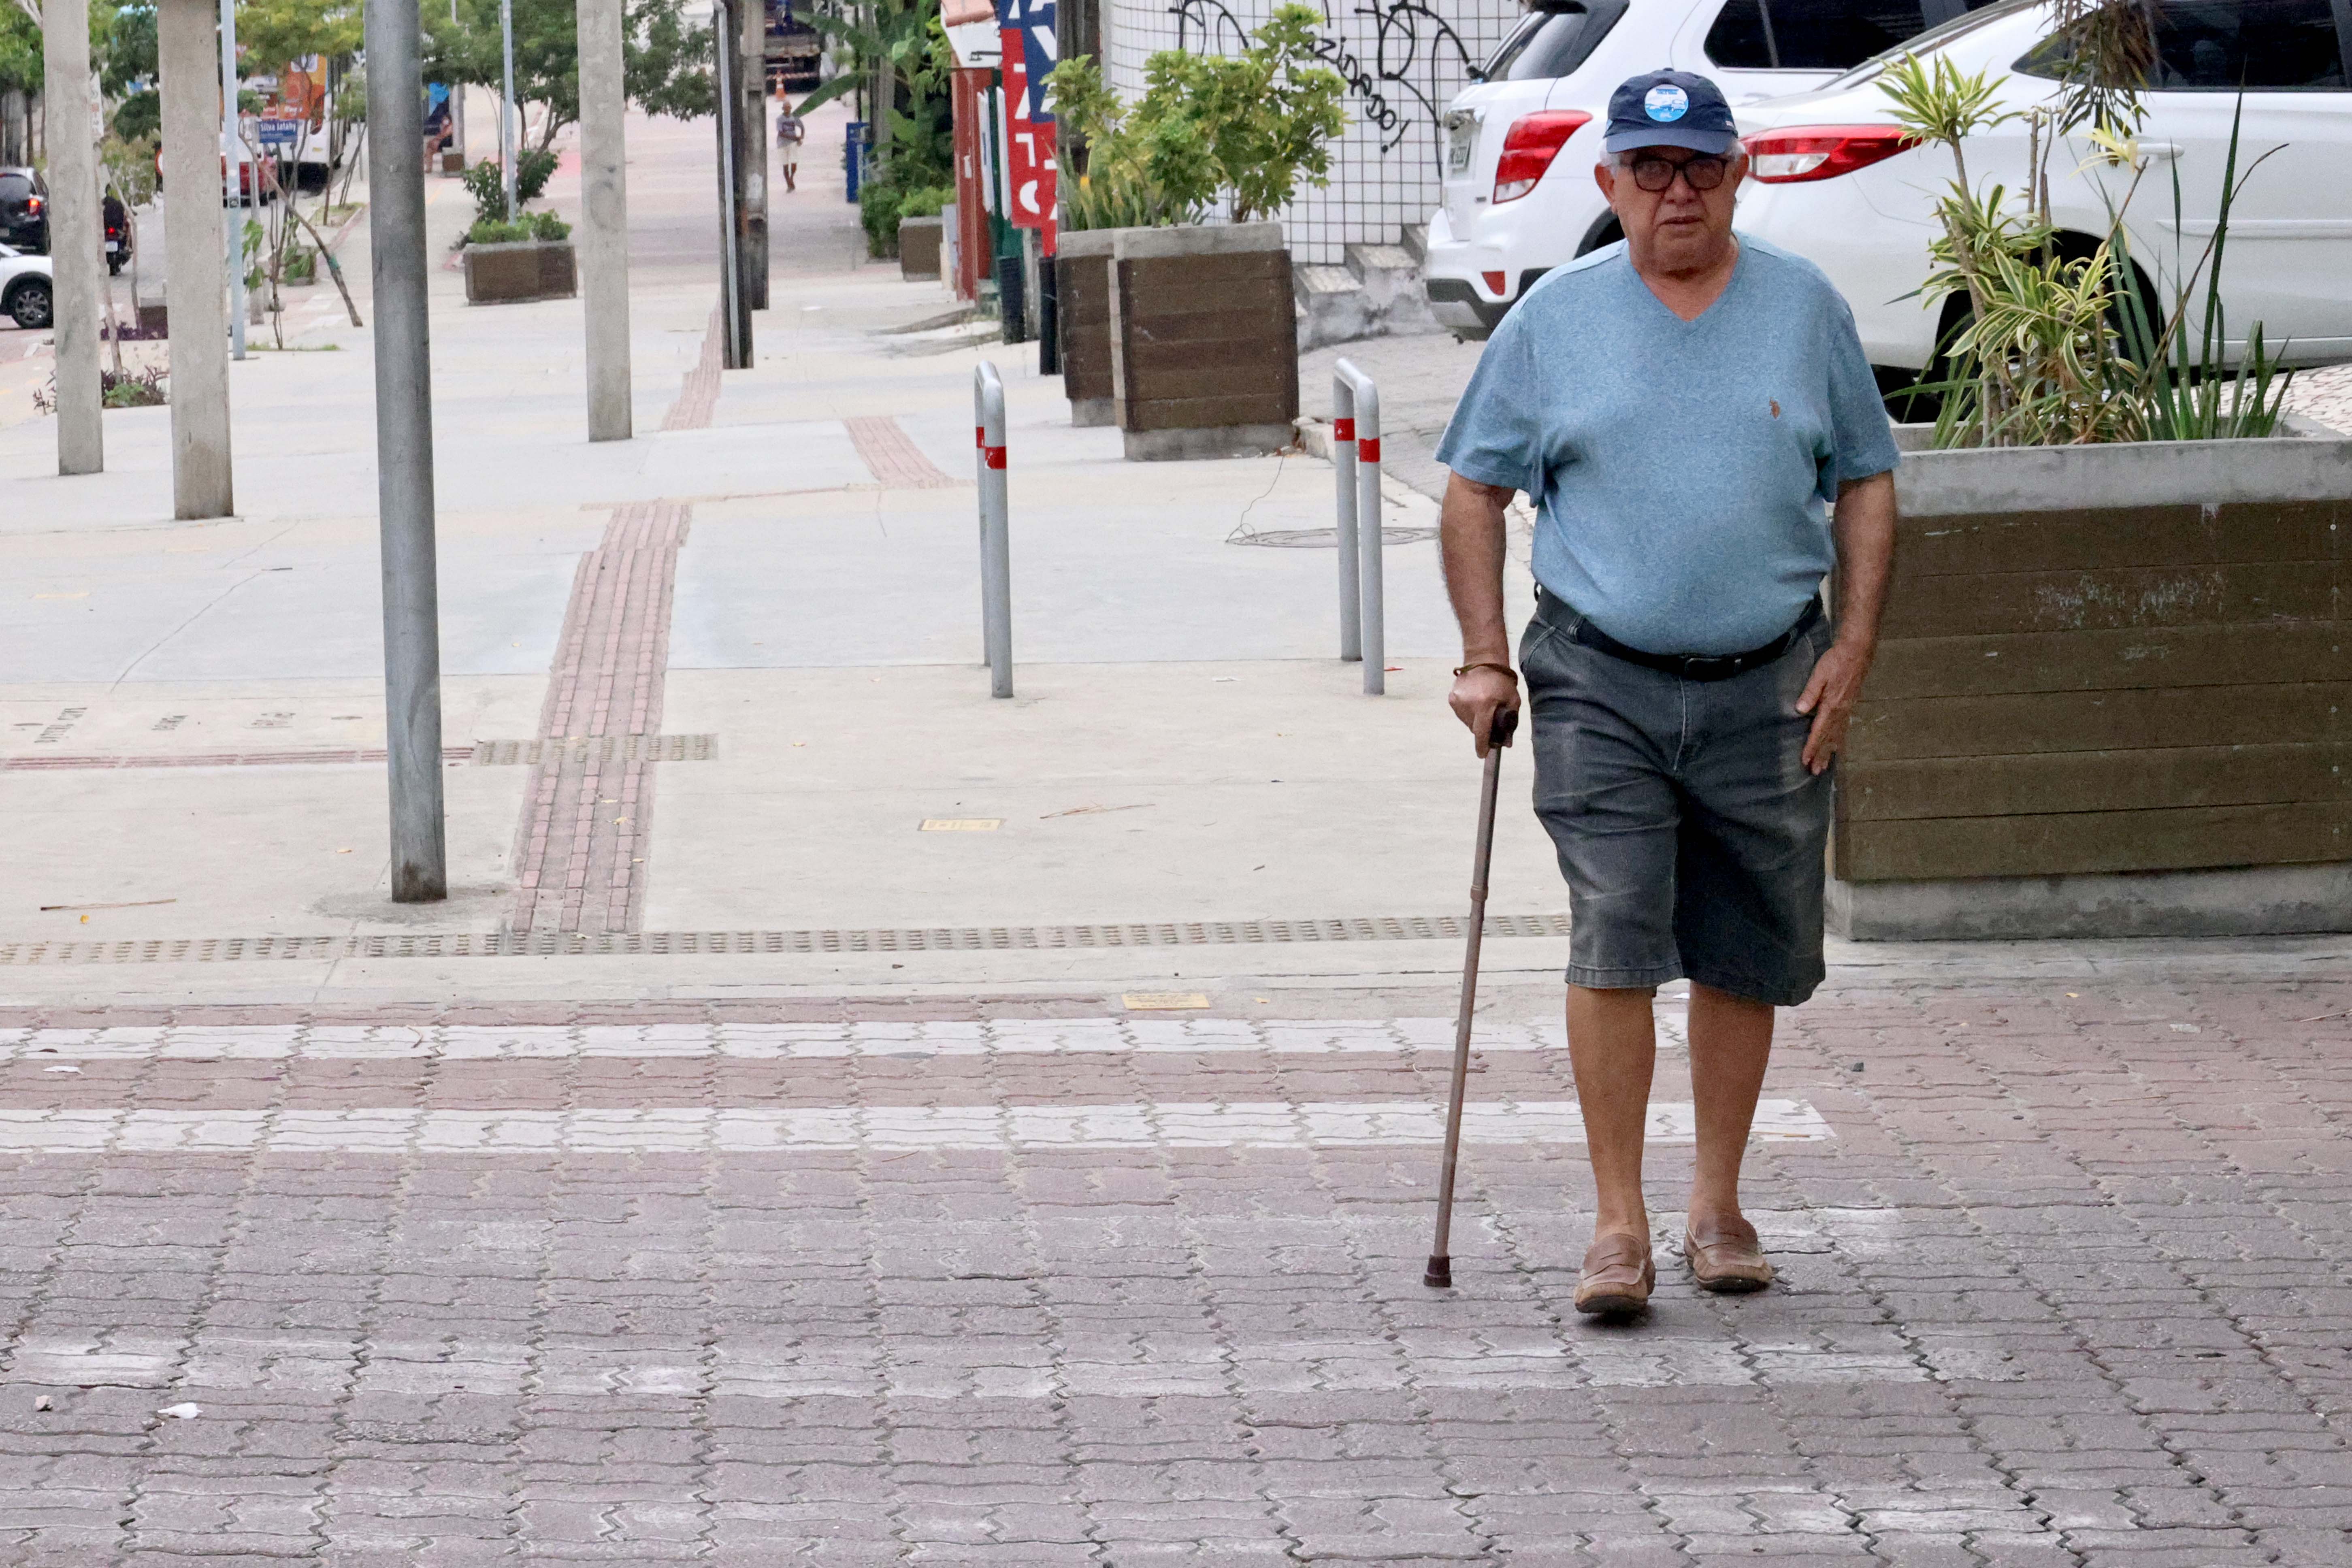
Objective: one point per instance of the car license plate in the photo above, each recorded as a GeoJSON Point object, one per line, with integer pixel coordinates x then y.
{"type": "Point", "coordinates": [1463, 131]}
{"type": "Point", "coordinates": [112, 246]}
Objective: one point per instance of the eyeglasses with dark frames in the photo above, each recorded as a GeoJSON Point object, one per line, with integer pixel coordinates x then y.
{"type": "Point", "coordinates": [1704, 173]}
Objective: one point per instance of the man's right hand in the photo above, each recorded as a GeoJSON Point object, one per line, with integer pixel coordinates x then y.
{"type": "Point", "coordinates": [1478, 696]}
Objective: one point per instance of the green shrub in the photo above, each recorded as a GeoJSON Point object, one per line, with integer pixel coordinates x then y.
{"type": "Point", "coordinates": [1247, 128]}
{"type": "Point", "coordinates": [929, 201]}
{"type": "Point", "coordinates": [544, 227]}
{"type": "Point", "coordinates": [878, 209]}
{"type": "Point", "coordinates": [486, 182]}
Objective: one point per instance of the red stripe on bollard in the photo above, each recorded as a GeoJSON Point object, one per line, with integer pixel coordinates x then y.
{"type": "Point", "coordinates": [1367, 451]}
{"type": "Point", "coordinates": [1343, 429]}
{"type": "Point", "coordinates": [979, 436]}
{"type": "Point", "coordinates": [995, 456]}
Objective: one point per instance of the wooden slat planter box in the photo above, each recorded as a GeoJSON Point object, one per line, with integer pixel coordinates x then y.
{"type": "Point", "coordinates": [1186, 339]}
{"type": "Point", "coordinates": [2113, 698]}
{"type": "Point", "coordinates": [527, 269]}
{"type": "Point", "coordinates": [1082, 280]}
{"type": "Point", "coordinates": [918, 246]}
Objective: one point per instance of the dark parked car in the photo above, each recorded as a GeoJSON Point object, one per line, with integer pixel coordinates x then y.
{"type": "Point", "coordinates": [24, 210]}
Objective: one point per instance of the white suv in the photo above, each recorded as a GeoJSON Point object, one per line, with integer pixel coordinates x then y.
{"type": "Point", "coordinates": [1521, 141]}
{"type": "Point", "coordinates": [1834, 181]}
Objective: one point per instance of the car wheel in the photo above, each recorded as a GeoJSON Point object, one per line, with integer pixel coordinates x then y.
{"type": "Point", "coordinates": [30, 304]}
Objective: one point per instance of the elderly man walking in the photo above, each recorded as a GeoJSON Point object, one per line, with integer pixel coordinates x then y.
{"type": "Point", "coordinates": [1682, 407]}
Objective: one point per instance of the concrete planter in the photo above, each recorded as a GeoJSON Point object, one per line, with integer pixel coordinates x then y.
{"type": "Point", "coordinates": [1189, 334]}
{"type": "Point", "coordinates": [2114, 698]}
{"type": "Point", "coordinates": [918, 246]}
{"type": "Point", "coordinates": [527, 269]}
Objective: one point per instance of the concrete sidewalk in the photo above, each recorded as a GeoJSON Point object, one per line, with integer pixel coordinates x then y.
{"type": "Point", "coordinates": [1185, 746]}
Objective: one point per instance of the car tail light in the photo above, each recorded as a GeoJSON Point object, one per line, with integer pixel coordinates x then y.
{"type": "Point", "coordinates": [1532, 143]}
{"type": "Point", "coordinates": [1495, 283]}
{"type": "Point", "coordinates": [1821, 151]}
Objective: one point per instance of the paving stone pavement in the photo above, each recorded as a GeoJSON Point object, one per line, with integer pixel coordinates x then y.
{"type": "Point", "coordinates": [2066, 1287]}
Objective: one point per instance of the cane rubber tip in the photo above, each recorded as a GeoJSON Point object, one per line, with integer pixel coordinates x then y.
{"type": "Point", "coordinates": [1439, 1275]}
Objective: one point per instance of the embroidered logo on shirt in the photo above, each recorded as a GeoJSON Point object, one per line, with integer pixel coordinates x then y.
{"type": "Point", "coordinates": [1776, 408]}
{"type": "Point", "coordinates": [1666, 102]}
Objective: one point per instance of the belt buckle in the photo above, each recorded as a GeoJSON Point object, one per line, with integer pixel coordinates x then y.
{"type": "Point", "coordinates": [1701, 666]}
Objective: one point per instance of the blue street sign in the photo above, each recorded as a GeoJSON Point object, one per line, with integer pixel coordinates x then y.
{"type": "Point", "coordinates": [278, 133]}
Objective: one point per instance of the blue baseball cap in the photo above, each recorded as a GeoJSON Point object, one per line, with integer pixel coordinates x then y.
{"type": "Point", "coordinates": [1669, 108]}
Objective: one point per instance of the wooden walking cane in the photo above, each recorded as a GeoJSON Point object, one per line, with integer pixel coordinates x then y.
{"type": "Point", "coordinates": [1439, 1275]}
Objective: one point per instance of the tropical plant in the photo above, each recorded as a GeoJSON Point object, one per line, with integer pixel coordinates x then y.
{"type": "Point", "coordinates": [2055, 346]}
{"type": "Point", "coordinates": [1246, 129]}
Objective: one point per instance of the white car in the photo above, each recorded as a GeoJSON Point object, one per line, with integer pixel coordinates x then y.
{"type": "Point", "coordinates": [1521, 141]}
{"type": "Point", "coordinates": [1833, 182]}
{"type": "Point", "coordinates": [25, 293]}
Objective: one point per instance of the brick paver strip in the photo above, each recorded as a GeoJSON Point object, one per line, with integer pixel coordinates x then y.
{"type": "Point", "coordinates": [581, 847]}
{"type": "Point", "coordinates": [894, 459]}
{"type": "Point", "coordinates": [698, 397]}
{"type": "Point", "coordinates": [2069, 1288]}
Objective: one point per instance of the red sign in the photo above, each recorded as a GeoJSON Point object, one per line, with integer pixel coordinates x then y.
{"type": "Point", "coordinates": [1029, 163]}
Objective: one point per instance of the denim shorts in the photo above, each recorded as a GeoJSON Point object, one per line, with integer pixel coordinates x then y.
{"type": "Point", "coordinates": [1692, 836]}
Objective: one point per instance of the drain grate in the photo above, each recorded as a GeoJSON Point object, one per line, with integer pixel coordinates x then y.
{"type": "Point", "coordinates": [912, 938]}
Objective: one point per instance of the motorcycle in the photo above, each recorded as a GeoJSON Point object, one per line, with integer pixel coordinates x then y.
{"type": "Point", "coordinates": [117, 236]}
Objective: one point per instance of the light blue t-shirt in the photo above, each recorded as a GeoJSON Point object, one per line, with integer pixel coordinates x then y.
{"type": "Point", "coordinates": [1681, 470]}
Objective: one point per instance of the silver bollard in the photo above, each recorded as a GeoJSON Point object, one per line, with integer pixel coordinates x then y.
{"type": "Point", "coordinates": [1355, 404]}
{"type": "Point", "coordinates": [1343, 470]}
{"type": "Point", "coordinates": [995, 530]}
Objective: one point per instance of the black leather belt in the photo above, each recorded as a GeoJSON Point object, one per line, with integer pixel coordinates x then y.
{"type": "Point", "coordinates": [1689, 666]}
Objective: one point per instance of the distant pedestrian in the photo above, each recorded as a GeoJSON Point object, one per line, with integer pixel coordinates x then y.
{"type": "Point", "coordinates": [791, 131]}
{"type": "Point", "coordinates": [1682, 406]}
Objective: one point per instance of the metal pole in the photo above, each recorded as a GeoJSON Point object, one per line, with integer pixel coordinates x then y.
{"type": "Point", "coordinates": [1369, 537]}
{"type": "Point", "coordinates": [1439, 1274]}
{"type": "Point", "coordinates": [403, 451]}
{"type": "Point", "coordinates": [76, 226]}
{"type": "Point", "coordinates": [737, 337]}
{"type": "Point", "coordinates": [230, 165]}
{"type": "Point", "coordinates": [995, 530]}
{"type": "Point", "coordinates": [752, 150]}
{"type": "Point", "coordinates": [507, 133]}
{"type": "Point", "coordinates": [1343, 468]}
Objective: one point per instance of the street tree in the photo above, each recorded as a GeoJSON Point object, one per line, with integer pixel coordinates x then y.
{"type": "Point", "coordinates": [665, 61]}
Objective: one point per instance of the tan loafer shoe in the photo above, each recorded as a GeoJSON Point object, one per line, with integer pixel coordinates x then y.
{"type": "Point", "coordinates": [1727, 1259]}
{"type": "Point", "coordinates": [1617, 1276]}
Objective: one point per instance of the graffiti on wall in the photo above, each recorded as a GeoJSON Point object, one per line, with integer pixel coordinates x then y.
{"type": "Point", "coordinates": [1418, 60]}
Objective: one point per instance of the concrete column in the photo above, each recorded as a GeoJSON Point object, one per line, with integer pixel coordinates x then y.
{"type": "Point", "coordinates": [403, 454]}
{"type": "Point", "coordinates": [751, 156]}
{"type": "Point", "coordinates": [187, 49]}
{"type": "Point", "coordinates": [603, 238]}
{"type": "Point", "coordinates": [75, 226]}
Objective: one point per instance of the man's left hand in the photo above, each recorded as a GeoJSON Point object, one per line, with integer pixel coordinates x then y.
{"type": "Point", "coordinates": [1829, 696]}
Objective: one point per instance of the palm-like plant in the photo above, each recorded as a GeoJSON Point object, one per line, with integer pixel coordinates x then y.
{"type": "Point", "coordinates": [2056, 349]}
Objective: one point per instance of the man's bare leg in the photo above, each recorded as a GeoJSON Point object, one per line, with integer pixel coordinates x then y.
{"type": "Point", "coordinates": [1730, 1040]}
{"type": "Point", "coordinates": [1613, 1046]}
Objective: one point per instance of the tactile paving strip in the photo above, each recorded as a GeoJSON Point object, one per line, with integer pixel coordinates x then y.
{"type": "Point", "coordinates": [932, 939]}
